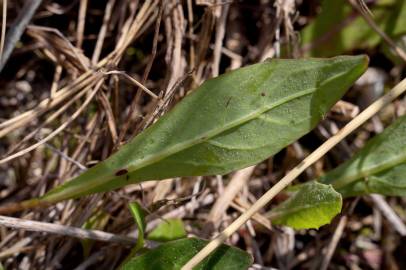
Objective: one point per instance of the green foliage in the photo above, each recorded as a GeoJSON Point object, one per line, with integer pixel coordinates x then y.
{"type": "Point", "coordinates": [138, 214]}
{"type": "Point", "coordinates": [379, 167]}
{"type": "Point", "coordinates": [173, 255]}
{"type": "Point", "coordinates": [339, 29]}
{"type": "Point", "coordinates": [168, 230]}
{"type": "Point", "coordinates": [96, 222]}
{"type": "Point", "coordinates": [312, 206]}
{"type": "Point", "coordinates": [229, 122]}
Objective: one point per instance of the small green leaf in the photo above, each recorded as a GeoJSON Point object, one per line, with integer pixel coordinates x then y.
{"type": "Point", "coordinates": [228, 123]}
{"type": "Point", "coordinates": [312, 206]}
{"type": "Point", "coordinates": [138, 214]}
{"type": "Point", "coordinates": [173, 255]}
{"type": "Point", "coordinates": [379, 167]}
{"type": "Point", "coordinates": [168, 230]}
{"type": "Point", "coordinates": [96, 222]}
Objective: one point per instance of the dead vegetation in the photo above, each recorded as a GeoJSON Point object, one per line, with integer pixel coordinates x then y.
{"type": "Point", "coordinates": [86, 76]}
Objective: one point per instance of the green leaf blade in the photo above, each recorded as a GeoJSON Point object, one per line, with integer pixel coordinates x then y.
{"type": "Point", "coordinates": [168, 230]}
{"type": "Point", "coordinates": [228, 123]}
{"type": "Point", "coordinates": [312, 206]}
{"type": "Point", "coordinates": [379, 167]}
{"type": "Point", "coordinates": [173, 255]}
{"type": "Point", "coordinates": [138, 214]}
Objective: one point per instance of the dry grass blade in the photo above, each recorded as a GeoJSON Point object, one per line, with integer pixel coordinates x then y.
{"type": "Point", "coordinates": [17, 29]}
{"type": "Point", "coordinates": [110, 117]}
{"type": "Point", "coordinates": [52, 117]}
{"type": "Point", "coordinates": [3, 29]}
{"type": "Point", "coordinates": [59, 129]}
{"type": "Point", "coordinates": [53, 38]}
{"type": "Point", "coordinates": [63, 230]}
{"type": "Point", "coordinates": [375, 107]}
{"type": "Point", "coordinates": [133, 81]}
{"type": "Point", "coordinates": [333, 243]}
{"type": "Point", "coordinates": [388, 212]}
{"type": "Point", "coordinates": [102, 33]}
{"type": "Point", "coordinates": [81, 23]}
{"type": "Point", "coordinates": [45, 105]}
{"type": "Point", "coordinates": [237, 182]}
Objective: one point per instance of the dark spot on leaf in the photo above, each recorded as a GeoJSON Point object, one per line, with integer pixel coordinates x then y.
{"type": "Point", "coordinates": [263, 94]}
{"type": "Point", "coordinates": [121, 172]}
{"type": "Point", "coordinates": [228, 102]}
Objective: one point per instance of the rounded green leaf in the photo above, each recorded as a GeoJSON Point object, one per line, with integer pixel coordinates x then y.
{"type": "Point", "coordinates": [312, 206]}
{"type": "Point", "coordinates": [168, 230]}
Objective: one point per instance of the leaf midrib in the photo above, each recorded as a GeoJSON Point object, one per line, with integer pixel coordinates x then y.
{"type": "Point", "coordinates": [214, 132]}
{"type": "Point", "coordinates": [341, 182]}
{"type": "Point", "coordinates": [206, 136]}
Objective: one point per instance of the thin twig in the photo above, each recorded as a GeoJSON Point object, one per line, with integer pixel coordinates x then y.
{"type": "Point", "coordinates": [388, 212]}
{"type": "Point", "coordinates": [333, 243]}
{"type": "Point", "coordinates": [3, 29]}
{"type": "Point", "coordinates": [133, 81]}
{"type": "Point", "coordinates": [64, 156]}
{"type": "Point", "coordinates": [237, 182]}
{"type": "Point", "coordinates": [218, 44]}
{"type": "Point", "coordinates": [103, 31]}
{"type": "Point", "coordinates": [18, 28]}
{"type": "Point", "coordinates": [128, 121]}
{"type": "Point", "coordinates": [81, 23]}
{"type": "Point", "coordinates": [295, 172]}
{"type": "Point", "coordinates": [36, 226]}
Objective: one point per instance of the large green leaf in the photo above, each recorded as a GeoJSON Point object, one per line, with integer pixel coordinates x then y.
{"type": "Point", "coordinates": [312, 206]}
{"type": "Point", "coordinates": [229, 122]}
{"type": "Point", "coordinates": [173, 255]}
{"type": "Point", "coordinates": [339, 28]}
{"type": "Point", "coordinates": [379, 167]}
